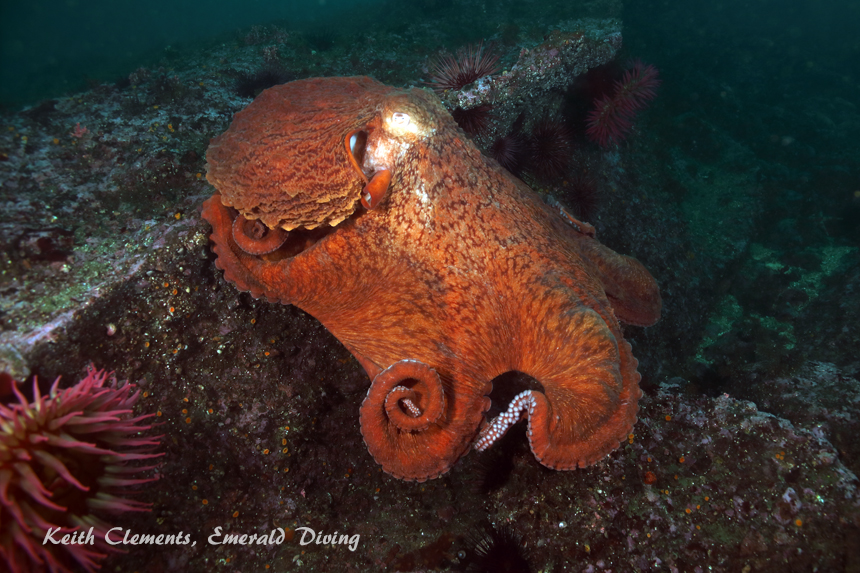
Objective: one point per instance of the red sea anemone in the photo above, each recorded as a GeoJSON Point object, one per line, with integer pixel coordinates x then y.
{"type": "Point", "coordinates": [64, 458]}
{"type": "Point", "coordinates": [448, 72]}
{"type": "Point", "coordinates": [613, 114]}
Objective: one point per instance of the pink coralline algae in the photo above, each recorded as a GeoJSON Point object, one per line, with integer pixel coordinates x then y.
{"type": "Point", "coordinates": [613, 114]}
{"type": "Point", "coordinates": [65, 457]}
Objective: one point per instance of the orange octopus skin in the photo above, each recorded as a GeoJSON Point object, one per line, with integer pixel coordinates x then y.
{"type": "Point", "coordinates": [459, 274]}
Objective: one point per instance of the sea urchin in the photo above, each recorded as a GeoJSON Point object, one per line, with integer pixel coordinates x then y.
{"type": "Point", "coordinates": [612, 116]}
{"type": "Point", "coordinates": [581, 193]}
{"type": "Point", "coordinates": [550, 148]}
{"type": "Point", "coordinates": [475, 120]}
{"type": "Point", "coordinates": [500, 551]}
{"type": "Point", "coordinates": [511, 151]}
{"type": "Point", "coordinates": [448, 72]}
{"type": "Point", "coordinates": [64, 457]}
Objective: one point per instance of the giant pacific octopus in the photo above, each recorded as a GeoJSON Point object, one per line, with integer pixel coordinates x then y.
{"type": "Point", "coordinates": [366, 206]}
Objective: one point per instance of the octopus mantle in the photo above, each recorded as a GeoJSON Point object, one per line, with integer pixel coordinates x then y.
{"type": "Point", "coordinates": [367, 207]}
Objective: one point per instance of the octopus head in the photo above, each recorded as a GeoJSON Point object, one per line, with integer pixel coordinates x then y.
{"type": "Point", "coordinates": [407, 121]}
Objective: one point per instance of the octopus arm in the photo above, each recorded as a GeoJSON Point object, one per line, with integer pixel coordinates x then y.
{"type": "Point", "coordinates": [630, 288]}
{"type": "Point", "coordinates": [249, 272]}
{"type": "Point", "coordinates": [414, 423]}
{"type": "Point", "coordinates": [590, 388]}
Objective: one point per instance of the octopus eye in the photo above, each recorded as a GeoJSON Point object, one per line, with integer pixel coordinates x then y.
{"type": "Point", "coordinates": [400, 119]}
{"type": "Point", "coordinates": [356, 144]}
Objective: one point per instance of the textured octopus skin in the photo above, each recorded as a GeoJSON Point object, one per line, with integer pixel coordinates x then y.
{"type": "Point", "coordinates": [459, 274]}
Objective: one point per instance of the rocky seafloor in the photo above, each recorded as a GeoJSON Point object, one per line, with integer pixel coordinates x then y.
{"type": "Point", "coordinates": [743, 459]}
